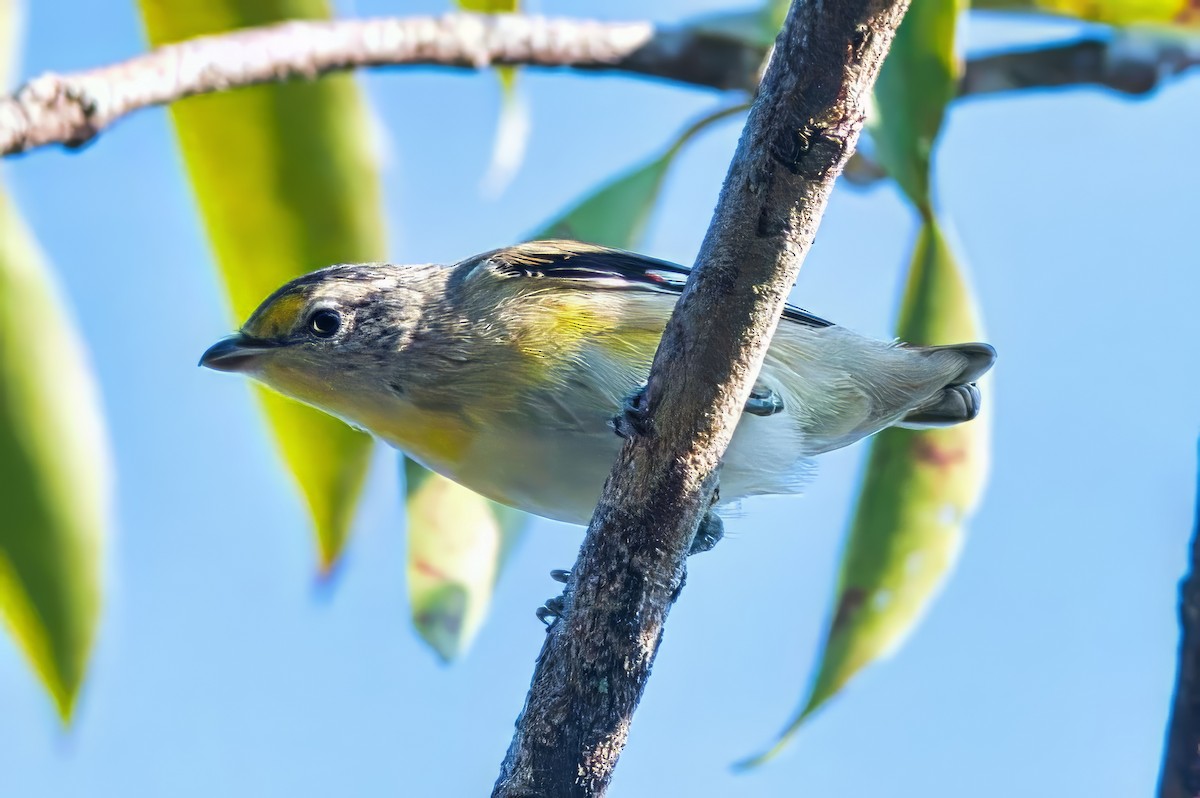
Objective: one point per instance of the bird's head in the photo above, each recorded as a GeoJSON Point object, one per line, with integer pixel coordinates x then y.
{"type": "Point", "coordinates": [334, 338]}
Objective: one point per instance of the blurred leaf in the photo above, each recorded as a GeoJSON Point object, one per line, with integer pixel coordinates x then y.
{"type": "Point", "coordinates": [12, 21]}
{"type": "Point", "coordinates": [457, 543]}
{"type": "Point", "coordinates": [512, 128]}
{"type": "Point", "coordinates": [55, 482]}
{"type": "Point", "coordinates": [616, 214]}
{"type": "Point", "coordinates": [489, 6]}
{"type": "Point", "coordinates": [918, 80]}
{"type": "Point", "coordinates": [1111, 12]}
{"type": "Point", "coordinates": [919, 487]}
{"type": "Point", "coordinates": [54, 471]}
{"type": "Point", "coordinates": [286, 183]}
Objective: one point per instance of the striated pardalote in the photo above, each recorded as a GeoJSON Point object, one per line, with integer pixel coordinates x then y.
{"type": "Point", "coordinates": [503, 372]}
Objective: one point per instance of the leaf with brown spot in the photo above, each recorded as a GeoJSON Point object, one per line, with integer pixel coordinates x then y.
{"type": "Point", "coordinates": [919, 487]}
{"type": "Point", "coordinates": [458, 542]}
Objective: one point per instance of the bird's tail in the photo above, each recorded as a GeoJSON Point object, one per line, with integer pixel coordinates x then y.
{"type": "Point", "coordinates": [959, 401]}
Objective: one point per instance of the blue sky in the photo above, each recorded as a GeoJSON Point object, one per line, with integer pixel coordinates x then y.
{"type": "Point", "coordinates": [223, 667]}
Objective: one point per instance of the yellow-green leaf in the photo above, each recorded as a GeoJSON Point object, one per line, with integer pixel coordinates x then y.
{"type": "Point", "coordinates": [917, 82]}
{"type": "Point", "coordinates": [616, 214]}
{"type": "Point", "coordinates": [55, 481]}
{"type": "Point", "coordinates": [1110, 12]}
{"type": "Point", "coordinates": [457, 544]}
{"type": "Point", "coordinates": [489, 6]}
{"type": "Point", "coordinates": [287, 183]}
{"type": "Point", "coordinates": [920, 487]}
{"type": "Point", "coordinates": [919, 490]}
{"type": "Point", "coordinates": [54, 470]}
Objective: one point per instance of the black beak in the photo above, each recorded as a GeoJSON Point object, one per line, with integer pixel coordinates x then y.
{"type": "Point", "coordinates": [234, 353]}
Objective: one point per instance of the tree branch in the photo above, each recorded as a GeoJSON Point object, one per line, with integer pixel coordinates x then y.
{"type": "Point", "coordinates": [597, 657]}
{"type": "Point", "coordinates": [1129, 67]}
{"type": "Point", "coordinates": [1180, 777]}
{"type": "Point", "coordinates": [72, 109]}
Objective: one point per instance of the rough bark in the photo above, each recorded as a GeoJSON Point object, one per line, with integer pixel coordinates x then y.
{"type": "Point", "coordinates": [593, 667]}
{"type": "Point", "coordinates": [1180, 776]}
{"type": "Point", "coordinates": [72, 109]}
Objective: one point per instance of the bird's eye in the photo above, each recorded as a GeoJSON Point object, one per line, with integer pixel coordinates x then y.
{"type": "Point", "coordinates": [324, 323]}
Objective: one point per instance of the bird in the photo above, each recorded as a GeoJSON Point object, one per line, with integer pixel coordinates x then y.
{"type": "Point", "coordinates": [504, 371]}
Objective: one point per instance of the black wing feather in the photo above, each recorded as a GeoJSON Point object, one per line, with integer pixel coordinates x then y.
{"type": "Point", "coordinates": [610, 268]}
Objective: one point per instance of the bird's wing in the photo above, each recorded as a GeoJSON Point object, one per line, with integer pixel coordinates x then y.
{"type": "Point", "coordinates": [603, 267]}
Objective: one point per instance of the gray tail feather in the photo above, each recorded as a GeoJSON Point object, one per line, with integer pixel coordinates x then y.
{"type": "Point", "coordinates": [959, 401]}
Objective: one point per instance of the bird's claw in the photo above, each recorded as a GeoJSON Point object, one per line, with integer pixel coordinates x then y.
{"type": "Point", "coordinates": [708, 534]}
{"type": "Point", "coordinates": [552, 610]}
{"type": "Point", "coordinates": [763, 402]}
{"type": "Point", "coordinates": [634, 418]}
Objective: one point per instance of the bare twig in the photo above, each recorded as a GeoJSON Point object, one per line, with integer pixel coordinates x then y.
{"type": "Point", "coordinates": [597, 657]}
{"type": "Point", "coordinates": [72, 109]}
{"type": "Point", "coordinates": [1123, 64]}
{"type": "Point", "coordinates": [1180, 776]}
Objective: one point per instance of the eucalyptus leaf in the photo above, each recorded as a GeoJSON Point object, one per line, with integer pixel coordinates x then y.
{"type": "Point", "coordinates": [616, 214]}
{"type": "Point", "coordinates": [457, 544]}
{"type": "Point", "coordinates": [1183, 13]}
{"type": "Point", "coordinates": [55, 483]}
{"type": "Point", "coordinates": [286, 183]}
{"type": "Point", "coordinates": [918, 80]}
{"type": "Point", "coordinates": [55, 467]}
{"type": "Point", "coordinates": [920, 488]}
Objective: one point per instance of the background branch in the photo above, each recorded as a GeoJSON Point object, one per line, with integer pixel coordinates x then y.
{"type": "Point", "coordinates": [72, 109]}
{"type": "Point", "coordinates": [1117, 64]}
{"type": "Point", "coordinates": [596, 659]}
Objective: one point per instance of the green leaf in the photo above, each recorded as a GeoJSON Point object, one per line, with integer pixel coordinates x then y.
{"type": "Point", "coordinates": [616, 214]}
{"type": "Point", "coordinates": [457, 544]}
{"type": "Point", "coordinates": [1111, 12]}
{"type": "Point", "coordinates": [286, 184]}
{"type": "Point", "coordinates": [489, 6]}
{"type": "Point", "coordinates": [918, 80]}
{"type": "Point", "coordinates": [54, 471]}
{"type": "Point", "coordinates": [920, 488]}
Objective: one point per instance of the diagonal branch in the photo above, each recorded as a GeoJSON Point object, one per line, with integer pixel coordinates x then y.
{"type": "Point", "coordinates": [1180, 776]}
{"type": "Point", "coordinates": [72, 109]}
{"type": "Point", "coordinates": [594, 665]}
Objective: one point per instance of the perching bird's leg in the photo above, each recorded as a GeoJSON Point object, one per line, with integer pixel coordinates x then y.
{"type": "Point", "coordinates": [634, 418]}
{"type": "Point", "coordinates": [554, 608]}
{"type": "Point", "coordinates": [763, 402]}
{"type": "Point", "coordinates": [710, 531]}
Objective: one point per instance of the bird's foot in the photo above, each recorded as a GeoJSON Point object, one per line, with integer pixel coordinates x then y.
{"type": "Point", "coordinates": [556, 607]}
{"type": "Point", "coordinates": [710, 531]}
{"type": "Point", "coordinates": [634, 418]}
{"type": "Point", "coordinates": [763, 402]}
